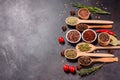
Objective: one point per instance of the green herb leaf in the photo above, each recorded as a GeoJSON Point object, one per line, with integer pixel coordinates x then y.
{"type": "Point", "coordinates": [87, 71]}
{"type": "Point", "coordinates": [92, 9]}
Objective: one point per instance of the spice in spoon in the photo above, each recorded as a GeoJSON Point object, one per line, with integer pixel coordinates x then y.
{"type": "Point", "coordinates": [81, 27]}
{"type": "Point", "coordinates": [84, 60]}
{"type": "Point", "coordinates": [84, 47]}
{"type": "Point", "coordinates": [71, 21]}
{"type": "Point", "coordinates": [71, 53]}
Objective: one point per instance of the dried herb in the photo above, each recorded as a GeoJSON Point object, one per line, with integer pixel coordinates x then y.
{"type": "Point", "coordinates": [71, 53]}
{"type": "Point", "coordinates": [84, 47]}
{"type": "Point", "coordinates": [92, 9]}
{"type": "Point", "coordinates": [87, 71]}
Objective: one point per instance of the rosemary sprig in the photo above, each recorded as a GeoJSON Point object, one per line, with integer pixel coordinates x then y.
{"type": "Point", "coordinates": [92, 9]}
{"type": "Point", "coordinates": [87, 71]}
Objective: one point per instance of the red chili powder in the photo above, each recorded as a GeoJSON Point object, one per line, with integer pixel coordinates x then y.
{"type": "Point", "coordinates": [89, 35]}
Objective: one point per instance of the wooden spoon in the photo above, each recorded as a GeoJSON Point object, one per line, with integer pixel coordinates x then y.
{"type": "Point", "coordinates": [86, 60]}
{"type": "Point", "coordinates": [78, 54]}
{"type": "Point", "coordinates": [92, 47]}
{"type": "Point", "coordinates": [82, 27]}
{"type": "Point", "coordinates": [76, 21]}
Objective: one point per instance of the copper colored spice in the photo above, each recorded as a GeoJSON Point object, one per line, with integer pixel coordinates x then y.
{"type": "Point", "coordinates": [104, 37]}
{"type": "Point", "coordinates": [83, 12]}
{"type": "Point", "coordinates": [89, 35]}
{"type": "Point", "coordinates": [73, 36]}
{"type": "Point", "coordinates": [81, 27]}
{"type": "Point", "coordinates": [84, 60]}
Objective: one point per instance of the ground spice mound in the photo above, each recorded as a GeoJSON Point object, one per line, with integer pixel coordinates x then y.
{"type": "Point", "coordinates": [81, 27]}
{"type": "Point", "coordinates": [104, 37]}
{"type": "Point", "coordinates": [89, 35]}
{"type": "Point", "coordinates": [71, 53]}
{"type": "Point", "coordinates": [73, 36]}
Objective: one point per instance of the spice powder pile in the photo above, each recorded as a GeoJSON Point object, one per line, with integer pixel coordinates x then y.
{"type": "Point", "coordinates": [89, 35]}
{"type": "Point", "coordinates": [73, 36]}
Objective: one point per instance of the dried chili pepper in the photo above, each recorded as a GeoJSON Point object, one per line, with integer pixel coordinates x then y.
{"type": "Point", "coordinates": [107, 31]}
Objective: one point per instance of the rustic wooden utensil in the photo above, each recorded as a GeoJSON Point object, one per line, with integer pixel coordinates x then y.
{"type": "Point", "coordinates": [88, 54]}
{"type": "Point", "coordinates": [86, 60]}
{"type": "Point", "coordinates": [82, 27]}
{"type": "Point", "coordinates": [95, 47]}
{"type": "Point", "coordinates": [88, 21]}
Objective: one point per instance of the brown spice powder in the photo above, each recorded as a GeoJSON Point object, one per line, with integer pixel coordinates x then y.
{"type": "Point", "coordinates": [89, 35]}
{"type": "Point", "coordinates": [73, 36]}
{"type": "Point", "coordinates": [104, 37]}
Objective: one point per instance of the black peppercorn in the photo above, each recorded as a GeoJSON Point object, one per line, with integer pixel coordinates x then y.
{"type": "Point", "coordinates": [72, 13]}
{"type": "Point", "coordinates": [62, 53]}
{"type": "Point", "coordinates": [64, 28]}
{"type": "Point", "coordinates": [78, 67]}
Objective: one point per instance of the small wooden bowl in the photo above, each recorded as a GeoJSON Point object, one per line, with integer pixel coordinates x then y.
{"type": "Point", "coordinates": [101, 42]}
{"type": "Point", "coordinates": [83, 13]}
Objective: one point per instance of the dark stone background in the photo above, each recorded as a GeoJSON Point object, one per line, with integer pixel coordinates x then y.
{"type": "Point", "coordinates": [29, 49]}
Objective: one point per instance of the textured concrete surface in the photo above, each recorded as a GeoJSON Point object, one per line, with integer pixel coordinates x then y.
{"type": "Point", "coordinates": [28, 39]}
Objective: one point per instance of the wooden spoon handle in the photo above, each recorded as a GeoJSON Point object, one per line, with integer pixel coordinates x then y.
{"type": "Point", "coordinates": [96, 21]}
{"type": "Point", "coordinates": [102, 26]}
{"type": "Point", "coordinates": [108, 47]}
{"type": "Point", "coordinates": [105, 60]}
{"type": "Point", "coordinates": [96, 54]}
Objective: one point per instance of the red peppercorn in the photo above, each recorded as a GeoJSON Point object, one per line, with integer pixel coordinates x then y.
{"type": "Point", "coordinates": [66, 68]}
{"type": "Point", "coordinates": [61, 39]}
{"type": "Point", "coordinates": [72, 69]}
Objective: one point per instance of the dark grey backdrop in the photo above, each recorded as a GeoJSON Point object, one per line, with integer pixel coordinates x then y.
{"type": "Point", "coordinates": [28, 39]}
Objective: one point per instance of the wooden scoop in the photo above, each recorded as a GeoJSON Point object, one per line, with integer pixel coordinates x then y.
{"type": "Point", "coordinates": [78, 54]}
{"type": "Point", "coordinates": [82, 27]}
{"type": "Point", "coordinates": [76, 21]}
{"type": "Point", "coordinates": [86, 60]}
{"type": "Point", "coordinates": [92, 47]}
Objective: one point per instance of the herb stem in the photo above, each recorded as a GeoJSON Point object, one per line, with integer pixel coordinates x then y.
{"type": "Point", "coordinates": [92, 9]}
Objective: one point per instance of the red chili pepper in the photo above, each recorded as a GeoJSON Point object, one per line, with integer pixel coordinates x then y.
{"type": "Point", "coordinates": [107, 31]}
